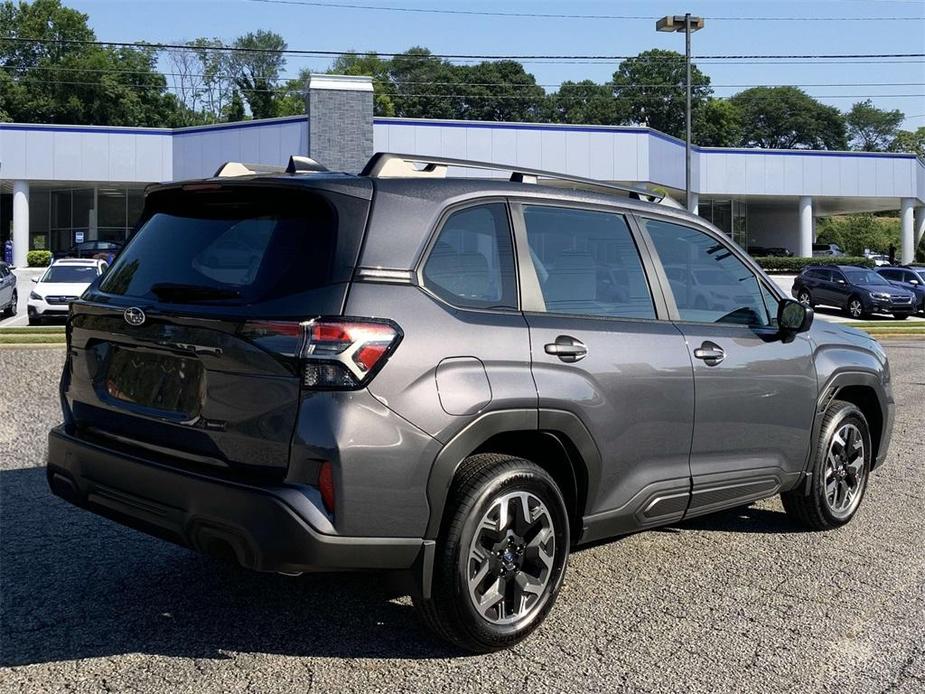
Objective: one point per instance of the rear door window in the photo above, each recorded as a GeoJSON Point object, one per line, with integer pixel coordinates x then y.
{"type": "Point", "coordinates": [587, 263]}
{"type": "Point", "coordinates": [235, 247]}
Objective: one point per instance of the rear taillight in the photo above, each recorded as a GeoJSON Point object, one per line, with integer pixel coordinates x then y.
{"type": "Point", "coordinates": [334, 353]}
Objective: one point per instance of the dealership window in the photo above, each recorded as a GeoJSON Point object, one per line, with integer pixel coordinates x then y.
{"type": "Point", "coordinates": [729, 216]}
{"type": "Point", "coordinates": [59, 217]}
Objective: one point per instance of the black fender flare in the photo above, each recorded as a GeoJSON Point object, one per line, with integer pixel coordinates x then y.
{"type": "Point", "coordinates": [496, 422]}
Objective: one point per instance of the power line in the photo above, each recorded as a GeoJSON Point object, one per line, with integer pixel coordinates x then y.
{"type": "Point", "coordinates": [555, 15]}
{"type": "Point", "coordinates": [229, 76]}
{"type": "Point", "coordinates": [459, 95]}
{"type": "Point", "coordinates": [450, 56]}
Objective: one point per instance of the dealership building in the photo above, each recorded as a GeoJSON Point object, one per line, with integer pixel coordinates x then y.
{"type": "Point", "coordinates": [63, 183]}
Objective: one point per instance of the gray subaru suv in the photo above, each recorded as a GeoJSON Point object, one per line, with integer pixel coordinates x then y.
{"type": "Point", "coordinates": [459, 379]}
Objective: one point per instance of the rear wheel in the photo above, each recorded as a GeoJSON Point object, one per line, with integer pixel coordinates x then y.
{"type": "Point", "coordinates": [840, 471]}
{"type": "Point", "coordinates": [805, 298]}
{"type": "Point", "coordinates": [501, 555]}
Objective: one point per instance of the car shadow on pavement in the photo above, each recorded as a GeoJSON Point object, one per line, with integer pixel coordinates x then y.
{"type": "Point", "coordinates": [743, 519]}
{"type": "Point", "coordinates": [75, 586]}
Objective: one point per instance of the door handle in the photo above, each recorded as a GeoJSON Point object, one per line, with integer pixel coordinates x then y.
{"type": "Point", "coordinates": [567, 348]}
{"type": "Point", "coordinates": [711, 353]}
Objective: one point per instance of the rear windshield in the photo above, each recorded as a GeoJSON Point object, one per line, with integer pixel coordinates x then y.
{"type": "Point", "coordinates": [70, 274]}
{"type": "Point", "coordinates": [228, 246]}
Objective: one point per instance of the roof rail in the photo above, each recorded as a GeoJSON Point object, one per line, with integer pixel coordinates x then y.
{"type": "Point", "coordinates": [393, 165]}
{"type": "Point", "coordinates": [297, 164]}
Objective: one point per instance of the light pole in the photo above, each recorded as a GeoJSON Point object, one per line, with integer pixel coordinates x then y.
{"type": "Point", "coordinates": [688, 25]}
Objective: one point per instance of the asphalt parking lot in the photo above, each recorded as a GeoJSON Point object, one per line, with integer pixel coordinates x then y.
{"type": "Point", "coordinates": [739, 602]}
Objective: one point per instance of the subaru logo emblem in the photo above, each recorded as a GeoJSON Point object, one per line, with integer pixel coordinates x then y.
{"type": "Point", "coordinates": [134, 316]}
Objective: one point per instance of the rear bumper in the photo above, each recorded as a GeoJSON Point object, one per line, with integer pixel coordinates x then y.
{"type": "Point", "coordinates": [266, 528]}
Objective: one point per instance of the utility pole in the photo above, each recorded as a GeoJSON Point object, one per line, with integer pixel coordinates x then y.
{"type": "Point", "coordinates": [688, 25]}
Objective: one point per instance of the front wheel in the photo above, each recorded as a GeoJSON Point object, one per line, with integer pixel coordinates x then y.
{"type": "Point", "coordinates": [34, 320]}
{"type": "Point", "coordinates": [805, 298]}
{"type": "Point", "coordinates": [840, 472]}
{"type": "Point", "coordinates": [10, 309]}
{"type": "Point", "coordinates": [501, 555]}
{"type": "Point", "coordinates": [855, 308]}
{"type": "Point", "coordinates": [900, 316]}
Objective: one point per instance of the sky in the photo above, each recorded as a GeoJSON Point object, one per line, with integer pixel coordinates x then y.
{"type": "Point", "coordinates": [731, 28]}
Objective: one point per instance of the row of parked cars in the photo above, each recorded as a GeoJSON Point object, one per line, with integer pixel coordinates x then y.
{"type": "Point", "coordinates": [860, 292]}
{"type": "Point", "coordinates": [64, 281]}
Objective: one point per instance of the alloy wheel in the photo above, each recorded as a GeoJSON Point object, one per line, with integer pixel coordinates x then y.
{"type": "Point", "coordinates": [804, 298]}
{"type": "Point", "coordinates": [511, 557]}
{"type": "Point", "coordinates": [844, 470]}
{"type": "Point", "coordinates": [855, 308]}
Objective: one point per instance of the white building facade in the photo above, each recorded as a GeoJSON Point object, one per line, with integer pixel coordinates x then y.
{"type": "Point", "coordinates": [60, 184]}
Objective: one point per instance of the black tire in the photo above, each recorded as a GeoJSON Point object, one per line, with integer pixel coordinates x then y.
{"type": "Point", "coordinates": [855, 308]}
{"type": "Point", "coordinates": [14, 305]}
{"type": "Point", "coordinates": [814, 510]}
{"type": "Point", "coordinates": [483, 481]}
{"type": "Point", "coordinates": [900, 316]}
{"type": "Point", "coordinates": [35, 320]}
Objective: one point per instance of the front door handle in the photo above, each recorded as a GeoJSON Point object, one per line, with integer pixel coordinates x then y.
{"type": "Point", "coordinates": [567, 348]}
{"type": "Point", "coordinates": [711, 353]}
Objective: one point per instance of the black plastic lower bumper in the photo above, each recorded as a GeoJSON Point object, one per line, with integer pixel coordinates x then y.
{"type": "Point", "coordinates": [262, 527]}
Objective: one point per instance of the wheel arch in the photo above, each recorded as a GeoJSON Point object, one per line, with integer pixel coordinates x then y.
{"type": "Point", "coordinates": [866, 391]}
{"type": "Point", "coordinates": [555, 440]}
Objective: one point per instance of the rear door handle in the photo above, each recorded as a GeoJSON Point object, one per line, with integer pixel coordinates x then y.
{"type": "Point", "coordinates": [567, 348]}
{"type": "Point", "coordinates": [711, 353]}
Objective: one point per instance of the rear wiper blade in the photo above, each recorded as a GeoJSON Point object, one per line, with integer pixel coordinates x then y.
{"type": "Point", "coordinates": [192, 292]}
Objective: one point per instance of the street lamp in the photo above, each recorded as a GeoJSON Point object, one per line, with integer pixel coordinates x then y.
{"type": "Point", "coordinates": [688, 25]}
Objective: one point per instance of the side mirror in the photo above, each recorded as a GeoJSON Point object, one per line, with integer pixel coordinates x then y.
{"type": "Point", "coordinates": [793, 317]}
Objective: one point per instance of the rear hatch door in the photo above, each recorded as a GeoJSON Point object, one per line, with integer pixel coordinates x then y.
{"type": "Point", "coordinates": [185, 348]}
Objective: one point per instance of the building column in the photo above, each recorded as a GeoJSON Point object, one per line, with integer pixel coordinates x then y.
{"type": "Point", "coordinates": [693, 205]}
{"type": "Point", "coordinates": [806, 227]}
{"type": "Point", "coordinates": [20, 222]}
{"type": "Point", "coordinates": [906, 244]}
{"type": "Point", "coordinates": [918, 224]}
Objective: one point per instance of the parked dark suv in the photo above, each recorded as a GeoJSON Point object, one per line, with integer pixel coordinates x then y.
{"type": "Point", "coordinates": [910, 278]}
{"type": "Point", "coordinates": [460, 379]}
{"type": "Point", "coordinates": [858, 291]}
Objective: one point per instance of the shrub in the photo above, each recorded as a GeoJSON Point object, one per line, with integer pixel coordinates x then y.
{"type": "Point", "coordinates": [773, 264]}
{"type": "Point", "coordinates": [38, 258]}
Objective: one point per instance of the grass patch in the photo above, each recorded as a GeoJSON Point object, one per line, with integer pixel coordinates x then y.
{"type": "Point", "coordinates": [43, 339]}
{"type": "Point", "coordinates": [40, 330]}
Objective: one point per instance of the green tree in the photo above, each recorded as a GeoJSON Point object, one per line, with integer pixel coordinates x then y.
{"type": "Point", "coordinates": [584, 102]}
{"type": "Point", "coordinates": [256, 65]}
{"type": "Point", "coordinates": [372, 65]}
{"type": "Point", "coordinates": [910, 141]}
{"type": "Point", "coordinates": [787, 118]}
{"type": "Point", "coordinates": [234, 109]}
{"type": "Point", "coordinates": [291, 100]}
{"type": "Point", "coordinates": [717, 123]}
{"type": "Point", "coordinates": [859, 232]}
{"type": "Point", "coordinates": [871, 129]}
{"type": "Point", "coordinates": [424, 86]}
{"type": "Point", "coordinates": [62, 82]}
{"type": "Point", "coordinates": [652, 89]}
{"type": "Point", "coordinates": [498, 91]}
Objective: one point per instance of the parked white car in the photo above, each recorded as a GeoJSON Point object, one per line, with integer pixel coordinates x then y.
{"type": "Point", "coordinates": [61, 284]}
